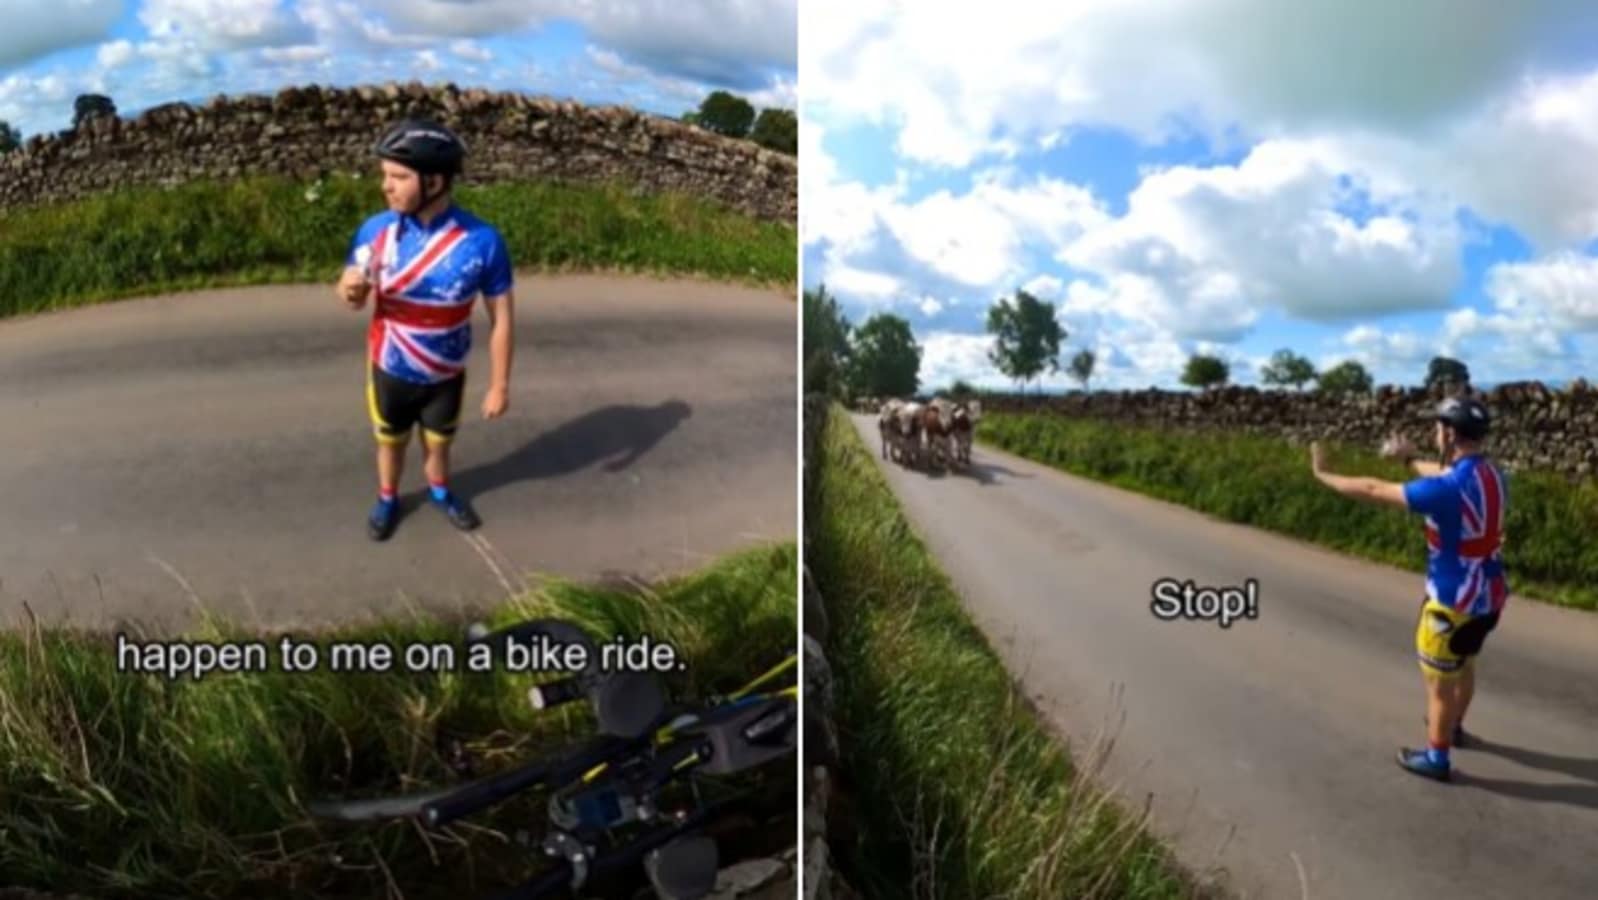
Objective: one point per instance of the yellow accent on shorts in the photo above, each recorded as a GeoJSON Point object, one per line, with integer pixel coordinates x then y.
{"type": "Point", "coordinates": [433, 437]}
{"type": "Point", "coordinates": [380, 427]}
{"type": "Point", "coordinates": [1436, 625]}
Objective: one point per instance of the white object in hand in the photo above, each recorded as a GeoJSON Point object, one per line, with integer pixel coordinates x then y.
{"type": "Point", "coordinates": [363, 260]}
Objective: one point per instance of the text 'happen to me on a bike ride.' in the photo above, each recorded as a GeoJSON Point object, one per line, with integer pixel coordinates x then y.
{"type": "Point", "coordinates": [1185, 600]}
{"type": "Point", "coordinates": [538, 653]}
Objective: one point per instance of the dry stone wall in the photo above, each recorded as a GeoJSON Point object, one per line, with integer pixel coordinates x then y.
{"type": "Point", "coordinates": [312, 131]}
{"type": "Point", "coordinates": [1535, 426]}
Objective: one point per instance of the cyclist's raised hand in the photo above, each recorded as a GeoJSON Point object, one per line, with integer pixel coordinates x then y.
{"type": "Point", "coordinates": [353, 288]}
{"type": "Point", "coordinates": [1397, 447]}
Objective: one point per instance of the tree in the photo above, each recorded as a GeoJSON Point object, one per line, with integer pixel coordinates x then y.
{"type": "Point", "coordinates": [1205, 371]}
{"type": "Point", "coordinates": [89, 106]}
{"type": "Point", "coordinates": [826, 342]}
{"type": "Point", "coordinates": [1288, 368]}
{"type": "Point", "coordinates": [726, 114]}
{"type": "Point", "coordinates": [1082, 367]}
{"type": "Point", "coordinates": [1027, 337]}
{"type": "Point", "coordinates": [1448, 372]}
{"type": "Point", "coordinates": [10, 138]}
{"type": "Point", "coordinates": [886, 358]}
{"type": "Point", "coordinates": [1346, 378]}
{"type": "Point", "coordinates": [960, 390]}
{"type": "Point", "coordinates": [777, 129]}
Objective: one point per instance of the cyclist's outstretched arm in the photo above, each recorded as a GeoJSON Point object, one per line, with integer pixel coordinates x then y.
{"type": "Point", "coordinates": [501, 348]}
{"type": "Point", "coordinates": [1374, 490]}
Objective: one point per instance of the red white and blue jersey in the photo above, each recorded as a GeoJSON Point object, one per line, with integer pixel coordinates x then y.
{"type": "Point", "coordinates": [426, 279]}
{"type": "Point", "coordinates": [1464, 509]}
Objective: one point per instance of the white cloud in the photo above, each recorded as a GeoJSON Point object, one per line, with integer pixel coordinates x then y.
{"type": "Point", "coordinates": [930, 306]}
{"type": "Point", "coordinates": [1022, 72]}
{"type": "Point", "coordinates": [223, 24]}
{"type": "Point", "coordinates": [471, 50]}
{"type": "Point", "coordinates": [1044, 287]}
{"type": "Point", "coordinates": [300, 53]}
{"type": "Point", "coordinates": [871, 286]}
{"type": "Point", "coordinates": [1561, 290]}
{"type": "Point", "coordinates": [115, 55]}
{"type": "Point", "coordinates": [947, 357]}
{"type": "Point", "coordinates": [1202, 251]}
{"type": "Point", "coordinates": [974, 242]}
{"type": "Point", "coordinates": [732, 43]}
{"type": "Point", "coordinates": [427, 61]}
{"type": "Point", "coordinates": [34, 29]}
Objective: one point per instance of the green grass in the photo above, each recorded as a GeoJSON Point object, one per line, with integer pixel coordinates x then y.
{"type": "Point", "coordinates": [148, 240]}
{"type": "Point", "coordinates": [1266, 483]}
{"type": "Point", "coordinates": [960, 789]}
{"type": "Point", "coordinates": [128, 786]}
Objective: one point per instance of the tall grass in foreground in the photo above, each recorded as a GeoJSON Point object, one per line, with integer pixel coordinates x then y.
{"type": "Point", "coordinates": [128, 786]}
{"type": "Point", "coordinates": [960, 789]}
{"type": "Point", "coordinates": [1266, 483]}
{"type": "Point", "coordinates": [145, 240]}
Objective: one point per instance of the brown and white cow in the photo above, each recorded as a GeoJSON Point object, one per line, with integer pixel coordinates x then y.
{"type": "Point", "coordinates": [888, 426]}
{"type": "Point", "coordinates": [899, 426]}
{"type": "Point", "coordinates": [936, 420]}
{"type": "Point", "coordinates": [963, 426]}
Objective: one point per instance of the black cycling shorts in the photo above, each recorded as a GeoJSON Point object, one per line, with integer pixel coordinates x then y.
{"type": "Point", "coordinates": [397, 406]}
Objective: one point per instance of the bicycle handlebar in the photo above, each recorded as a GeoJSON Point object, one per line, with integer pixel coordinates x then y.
{"type": "Point", "coordinates": [486, 792]}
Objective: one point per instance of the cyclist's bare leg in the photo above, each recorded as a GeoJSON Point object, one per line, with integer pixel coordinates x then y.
{"type": "Point", "coordinates": [1442, 708]}
{"type": "Point", "coordinates": [1467, 690]}
{"type": "Point", "coordinates": [436, 460]}
{"type": "Point", "coordinates": [391, 463]}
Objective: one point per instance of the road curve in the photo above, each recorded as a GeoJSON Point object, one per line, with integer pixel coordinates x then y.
{"type": "Point", "coordinates": [215, 446]}
{"type": "Point", "coordinates": [1283, 727]}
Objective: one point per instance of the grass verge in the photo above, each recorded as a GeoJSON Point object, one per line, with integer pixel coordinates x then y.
{"type": "Point", "coordinates": [960, 788]}
{"type": "Point", "coordinates": [146, 240]}
{"type": "Point", "coordinates": [1266, 483]}
{"type": "Point", "coordinates": [130, 786]}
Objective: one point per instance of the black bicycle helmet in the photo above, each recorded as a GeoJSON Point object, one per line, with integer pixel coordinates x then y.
{"type": "Point", "coordinates": [423, 145]}
{"type": "Point", "coordinates": [1466, 415]}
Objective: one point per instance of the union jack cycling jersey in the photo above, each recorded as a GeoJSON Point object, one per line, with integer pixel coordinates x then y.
{"type": "Point", "coordinates": [1464, 509]}
{"type": "Point", "coordinates": [426, 279]}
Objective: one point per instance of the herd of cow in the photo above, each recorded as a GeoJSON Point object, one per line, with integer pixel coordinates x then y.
{"type": "Point", "coordinates": [935, 434]}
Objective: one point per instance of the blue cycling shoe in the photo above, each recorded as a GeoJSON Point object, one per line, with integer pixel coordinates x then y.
{"type": "Point", "coordinates": [381, 520]}
{"type": "Point", "coordinates": [459, 513]}
{"type": "Point", "coordinates": [1418, 762]}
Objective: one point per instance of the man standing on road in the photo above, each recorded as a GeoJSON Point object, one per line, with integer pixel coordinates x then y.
{"type": "Point", "coordinates": [1463, 499]}
{"type": "Point", "coordinates": [427, 259]}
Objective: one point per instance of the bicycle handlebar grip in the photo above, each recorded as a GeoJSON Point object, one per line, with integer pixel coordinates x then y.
{"type": "Point", "coordinates": [555, 693]}
{"type": "Point", "coordinates": [483, 793]}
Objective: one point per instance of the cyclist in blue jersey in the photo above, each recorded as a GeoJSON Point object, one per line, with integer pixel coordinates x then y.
{"type": "Point", "coordinates": [427, 261]}
{"type": "Point", "coordinates": [1464, 498]}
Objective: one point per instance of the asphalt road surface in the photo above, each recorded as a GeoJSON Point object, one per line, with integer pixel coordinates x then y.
{"type": "Point", "coordinates": [1283, 727]}
{"type": "Point", "coordinates": [214, 448]}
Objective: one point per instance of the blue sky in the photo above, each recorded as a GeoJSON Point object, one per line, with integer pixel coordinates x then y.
{"type": "Point", "coordinates": [653, 56]}
{"type": "Point", "coordinates": [1213, 176]}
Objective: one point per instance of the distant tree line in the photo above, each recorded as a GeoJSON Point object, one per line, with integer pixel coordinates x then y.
{"type": "Point", "coordinates": [881, 357]}
{"type": "Point", "coordinates": [84, 108]}
{"type": "Point", "coordinates": [733, 116]}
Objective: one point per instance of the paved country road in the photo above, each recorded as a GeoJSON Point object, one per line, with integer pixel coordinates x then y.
{"type": "Point", "coordinates": [215, 445]}
{"type": "Point", "coordinates": [1284, 726]}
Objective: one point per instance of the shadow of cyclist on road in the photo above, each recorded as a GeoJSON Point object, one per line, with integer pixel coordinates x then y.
{"type": "Point", "coordinates": [615, 435]}
{"type": "Point", "coordinates": [1582, 792]}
